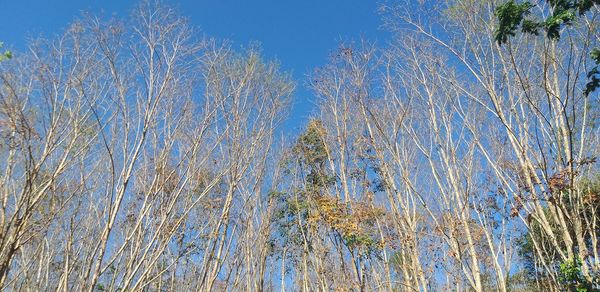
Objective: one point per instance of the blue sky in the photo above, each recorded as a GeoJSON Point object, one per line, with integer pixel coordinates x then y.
{"type": "Point", "coordinates": [299, 33]}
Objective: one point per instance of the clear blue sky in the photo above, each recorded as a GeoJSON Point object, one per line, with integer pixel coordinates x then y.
{"type": "Point", "coordinates": [299, 33]}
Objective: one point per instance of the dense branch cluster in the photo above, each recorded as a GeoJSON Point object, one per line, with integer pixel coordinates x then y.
{"type": "Point", "coordinates": [462, 155]}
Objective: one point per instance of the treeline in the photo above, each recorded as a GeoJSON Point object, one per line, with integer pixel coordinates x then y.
{"type": "Point", "coordinates": [462, 155]}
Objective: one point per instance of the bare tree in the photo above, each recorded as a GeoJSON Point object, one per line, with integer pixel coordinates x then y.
{"type": "Point", "coordinates": [533, 91]}
{"type": "Point", "coordinates": [137, 155]}
{"type": "Point", "coordinates": [133, 153]}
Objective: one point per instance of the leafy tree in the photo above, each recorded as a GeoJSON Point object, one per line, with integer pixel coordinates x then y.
{"type": "Point", "coordinates": [512, 15]}
{"type": "Point", "coordinates": [570, 271]}
{"type": "Point", "coordinates": [572, 277]}
{"type": "Point", "coordinates": [312, 202]}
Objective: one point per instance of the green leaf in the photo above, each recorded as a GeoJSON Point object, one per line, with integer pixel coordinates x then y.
{"type": "Point", "coordinates": [555, 22]}
{"type": "Point", "coordinates": [595, 55]}
{"type": "Point", "coordinates": [586, 5]}
{"type": "Point", "coordinates": [6, 54]}
{"type": "Point", "coordinates": [592, 86]}
{"type": "Point", "coordinates": [531, 26]}
{"type": "Point", "coordinates": [510, 15]}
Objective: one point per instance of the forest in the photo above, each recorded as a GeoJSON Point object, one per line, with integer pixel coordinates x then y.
{"type": "Point", "coordinates": [137, 154]}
